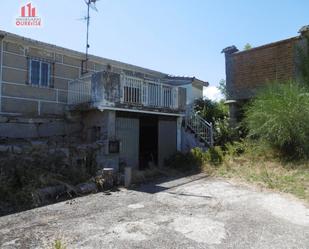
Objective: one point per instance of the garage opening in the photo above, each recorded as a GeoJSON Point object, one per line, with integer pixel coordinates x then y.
{"type": "Point", "coordinates": [148, 141]}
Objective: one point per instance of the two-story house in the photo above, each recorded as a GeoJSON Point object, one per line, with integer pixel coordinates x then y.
{"type": "Point", "coordinates": [135, 113]}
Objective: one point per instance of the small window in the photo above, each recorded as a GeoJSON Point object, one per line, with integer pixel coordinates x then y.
{"type": "Point", "coordinates": [39, 73]}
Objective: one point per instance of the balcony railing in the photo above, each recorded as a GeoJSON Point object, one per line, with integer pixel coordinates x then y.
{"type": "Point", "coordinates": [129, 91]}
{"type": "Point", "coordinates": [79, 91]}
{"type": "Point", "coordinates": [150, 93]}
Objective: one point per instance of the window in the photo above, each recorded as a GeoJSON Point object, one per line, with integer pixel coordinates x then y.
{"type": "Point", "coordinates": [39, 73]}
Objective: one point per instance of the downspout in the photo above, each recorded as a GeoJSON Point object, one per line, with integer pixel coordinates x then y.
{"type": "Point", "coordinates": [1, 63]}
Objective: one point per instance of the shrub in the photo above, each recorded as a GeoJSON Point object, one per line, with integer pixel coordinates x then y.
{"type": "Point", "coordinates": [280, 116]}
{"type": "Point", "coordinates": [224, 133]}
{"type": "Point", "coordinates": [190, 161]}
{"type": "Point", "coordinates": [210, 110]}
{"type": "Point", "coordinates": [235, 148]}
{"type": "Point", "coordinates": [214, 155]}
{"type": "Point", "coordinates": [217, 114]}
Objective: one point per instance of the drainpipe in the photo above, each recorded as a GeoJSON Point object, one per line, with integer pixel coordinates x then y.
{"type": "Point", "coordinates": [1, 63]}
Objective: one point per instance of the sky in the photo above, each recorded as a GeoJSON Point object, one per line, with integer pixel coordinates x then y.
{"type": "Point", "coordinates": [178, 37]}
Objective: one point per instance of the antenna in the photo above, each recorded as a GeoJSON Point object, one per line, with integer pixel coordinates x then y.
{"type": "Point", "coordinates": [90, 4]}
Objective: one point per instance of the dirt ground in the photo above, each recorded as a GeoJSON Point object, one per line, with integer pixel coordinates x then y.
{"type": "Point", "coordinates": [189, 212]}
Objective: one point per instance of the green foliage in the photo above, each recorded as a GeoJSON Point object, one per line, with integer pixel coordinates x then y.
{"type": "Point", "coordinates": [224, 133]}
{"type": "Point", "coordinates": [196, 159]}
{"type": "Point", "coordinates": [217, 114]}
{"type": "Point", "coordinates": [210, 110]}
{"type": "Point", "coordinates": [58, 245]}
{"type": "Point", "coordinates": [236, 148]}
{"type": "Point", "coordinates": [247, 46]}
{"type": "Point", "coordinates": [190, 161]}
{"type": "Point", "coordinates": [280, 116]}
{"type": "Point", "coordinates": [214, 155]}
{"type": "Point", "coordinates": [222, 88]}
{"type": "Point", "coordinates": [303, 65]}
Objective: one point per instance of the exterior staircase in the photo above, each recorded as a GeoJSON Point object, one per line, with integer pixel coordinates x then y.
{"type": "Point", "coordinates": [202, 130]}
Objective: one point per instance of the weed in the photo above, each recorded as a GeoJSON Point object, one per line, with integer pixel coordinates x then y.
{"type": "Point", "coordinates": [59, 245]}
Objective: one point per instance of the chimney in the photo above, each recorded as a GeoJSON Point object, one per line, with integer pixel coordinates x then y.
{"type": "Point", "coordinates": [230, 50]}
{"type": "Point", "coordinates": [304, 30]}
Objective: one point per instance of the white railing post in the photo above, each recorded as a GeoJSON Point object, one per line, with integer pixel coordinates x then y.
{"type": "Point", "coordinates": [122, 79]}
{"type": "Point", "coordinates": [161, 99]}
{"type": "Point", "coordinates": [79, 91]}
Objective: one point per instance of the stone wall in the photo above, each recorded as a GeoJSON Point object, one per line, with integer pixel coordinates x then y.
{"type": "Point", "coordinates": [89, 131]}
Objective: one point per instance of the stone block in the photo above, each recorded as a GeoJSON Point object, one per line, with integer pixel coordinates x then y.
{"type": "Point", "coordinates": [5, 148]}
{"type": "Point", "coordinates": [52, 108]}
{"type": "Point", "coordinates": [15, 76]}
{"type": "Point", "coordinates": [13, 48]}
{"type": "Point", "coordinates": [17, 130]}
{"type": "Point", "coordinates": [15, 61]}
{"type": "Point", "coordinates": [51, 129]}
{"type": "Point", "coordinates": [28, 91]}
{"type": "Point", "coordinates": [4, 119]}
{"type": "Point", "coordinates": [19, 106]}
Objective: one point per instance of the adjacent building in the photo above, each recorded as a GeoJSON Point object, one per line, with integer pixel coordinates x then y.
{"type": "Point", "coordinates": [250, 70]}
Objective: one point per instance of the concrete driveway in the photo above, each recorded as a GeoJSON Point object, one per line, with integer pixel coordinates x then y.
{"type": "Point", "coordinates": [190, 212]}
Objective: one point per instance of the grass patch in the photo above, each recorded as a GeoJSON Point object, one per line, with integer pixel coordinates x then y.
{"type": "Point", "coordinates": [273, 174]}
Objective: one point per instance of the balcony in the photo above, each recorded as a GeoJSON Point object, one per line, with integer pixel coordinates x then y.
{"type": "Point", "coordinates": [109, 90]}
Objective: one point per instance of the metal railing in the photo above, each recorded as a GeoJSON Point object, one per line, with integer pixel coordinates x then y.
{"type": "Point", "coordinates": [201, 128]}
{"type": "Point", "coordinates": [79, 91]}
{"type": "Point", "coordinates": [134, 90]}
{"type": "Point", "coordinates": [148, 93]}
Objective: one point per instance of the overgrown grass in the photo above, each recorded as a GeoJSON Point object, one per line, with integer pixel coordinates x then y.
{"type": "Point", "coordinates": [279, 115]}
{"type": "Point", "coordinates": [270, 174]}
{"type": "Point", "coordinates": [259, 165]}
{"type": "Point", "coordinates": [250, 161]}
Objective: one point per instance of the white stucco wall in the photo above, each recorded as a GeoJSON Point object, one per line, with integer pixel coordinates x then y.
{"type": "Point", "coordinates": [193, 92]}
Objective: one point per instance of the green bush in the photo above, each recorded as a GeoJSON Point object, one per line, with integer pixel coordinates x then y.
{"type": "Point", "coordinates": [279, 115]}
{"type": "Point", "coordinates": [236, 148]}
{"type": "Point", "coordinates": [224, 133]}
{"type": "Point", "coordinates": [214, 155]}
{"type": "Point", "coordinates": [217, 114]}
{"type": "Point", "coordinates": [190, 161]}
{"type": "Point", "coordinates": [210, 110]}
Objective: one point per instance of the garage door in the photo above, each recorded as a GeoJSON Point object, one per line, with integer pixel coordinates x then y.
{"type": "Point", "coordinates": [127, 131]}
{"type": "Point", "coordinates": [167, 139]}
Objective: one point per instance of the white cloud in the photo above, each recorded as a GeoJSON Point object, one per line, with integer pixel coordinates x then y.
{"type": "Point", "coordinates": [213, 93]}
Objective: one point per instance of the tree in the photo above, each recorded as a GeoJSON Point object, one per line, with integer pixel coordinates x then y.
{"type": "Point", "coordinates": [210, 110]}
{"type": "Point", "coordinates": [247, 46]}
{"type": "Point", "coordinates": [222, 88]}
